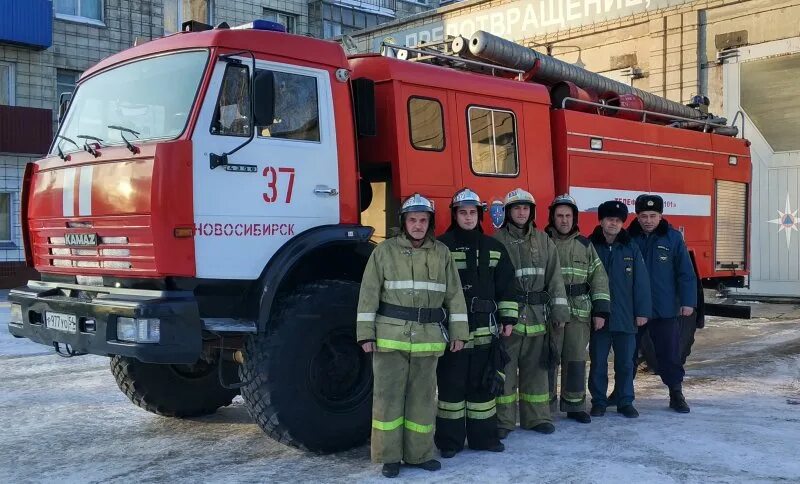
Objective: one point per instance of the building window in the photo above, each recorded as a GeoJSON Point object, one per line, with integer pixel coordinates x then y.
{"type": "Point", "coordinates": [65, 82]}
{"type": "Point", "coordinates": [493, 142]}
{"type": "Point", "coordinates": [173, 16]}
{"type": "Point", "coordinates": [426, 124]}
{"type": "Point", "coordinates": [338, 20]}
{"type": "Point", "coordinates": [80, 10]}
{"type": "Point", "coordinates": [6, 83]}
{"type": "Point", "coordinates": [5, 217]}
{"type": "Point", "coordinates": [296, 108]}
{"type": "Point", "coordinates": [286, 19]}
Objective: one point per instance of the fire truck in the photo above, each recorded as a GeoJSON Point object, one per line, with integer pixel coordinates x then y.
{"type": "Point", "coordinates": [211, 198]}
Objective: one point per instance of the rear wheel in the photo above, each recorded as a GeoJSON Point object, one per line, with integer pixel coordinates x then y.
{"type": "Point", "coordinates": [174, 390]}
{"type": "Point", "coordinates": [309, 384]}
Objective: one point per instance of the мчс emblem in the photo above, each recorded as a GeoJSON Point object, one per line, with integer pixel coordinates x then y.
{"type": "Point", "coordinates": [498, 213]}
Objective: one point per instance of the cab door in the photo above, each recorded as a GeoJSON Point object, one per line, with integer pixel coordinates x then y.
{"type": "Point", "coordinates": [284, 182]}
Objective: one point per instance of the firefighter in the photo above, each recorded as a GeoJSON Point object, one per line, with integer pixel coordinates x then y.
{"type": "Point", "coordinates": [543, 307]}
{"type": "Point", "coordinates": [674, 285]}
{"type": "Point", "coordinates": [586, 286]}
{"type": "Point", "coordinates": [409, 307]}
{"type": "Point", "coordinates": [630, 307]}
{"type": "Point", "coordinates": [466, 404]}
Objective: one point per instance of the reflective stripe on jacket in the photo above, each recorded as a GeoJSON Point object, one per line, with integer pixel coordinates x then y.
{"type": "Point", "coordinates": [425, 277]}
{"type": "Point", "coordinates": [581, 265]}
{"type": "Point", "coordinates": [536, 269]}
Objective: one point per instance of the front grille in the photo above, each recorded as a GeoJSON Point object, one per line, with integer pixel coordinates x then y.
{"type": "Point", "coordinates": [121, 247]}
{"type": "Point", "coordinates": [98, 253]}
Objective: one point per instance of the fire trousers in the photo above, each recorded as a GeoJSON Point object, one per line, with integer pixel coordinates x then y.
{"type": "Point", "coordinates": [573, 370]}
{"type": "Point", "coordinates": [529, 389]}
{"type": "Point", "coordinates": [403, 407]}
{"type": "Point", "coordinates": [466, 409]}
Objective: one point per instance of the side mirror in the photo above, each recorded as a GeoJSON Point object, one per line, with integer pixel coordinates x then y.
{"type": "Point", "coordinates": [264, 98]}
{"type": "Point", "coordinates": [63, 105]}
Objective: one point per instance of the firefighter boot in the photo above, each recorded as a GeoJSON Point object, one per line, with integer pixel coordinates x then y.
{"type": "Point", "coordinates": [544, 428]}
{"type": "Point", "coordinates": [429, 465]}
{"type": "Point", "coordinates": [502, 433]}
{"type": "Point", "coordinates": [499, 447]}
{"type": "Point", "coordinates": [677, 402]}
{"type": "Point", "coordinates": [391, 470]}
{"type": "Point", "coordinates": [581, 417]}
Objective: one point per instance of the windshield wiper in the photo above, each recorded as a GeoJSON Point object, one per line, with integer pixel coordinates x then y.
{"type": "Point", "coordinates": [86, 146]}
{"type": "Point", "coordinates": [58, 147]}
{"type": "Point", "coordinates": [134, 149]}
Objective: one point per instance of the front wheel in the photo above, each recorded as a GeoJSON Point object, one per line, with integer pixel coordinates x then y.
{"type": "Point", "coordinates": [309, 384]}
{"type": "Point", "coordinates": [174, 390]}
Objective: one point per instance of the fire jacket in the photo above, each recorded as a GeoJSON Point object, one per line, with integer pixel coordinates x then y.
{"type": "Point", "coordinates": [672, 277]}
{"type": "Point", "coordinates": [401, 275]}
{"type": "Point", "coordinates": [582, 270]}
{"type": "Point", "coordinates": [536, 271]}
{"type": "Point", "coordinates": [627, 279]}
{"type": "Point", "coordinates": [486, 274]}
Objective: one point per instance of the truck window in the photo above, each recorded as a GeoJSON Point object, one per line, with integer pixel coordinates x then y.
{"type": "Point", "coordinates": [493, 142]}
{"type": "Point", "coordinates": [426, 124]}
{"type": "Point", "coordinates": [296, 108]}
{"type": "Point", "coordinates": [232, 115]}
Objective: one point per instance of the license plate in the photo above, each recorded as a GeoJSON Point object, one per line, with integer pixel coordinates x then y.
{"type": "Point", "coordinates": [61, 322]}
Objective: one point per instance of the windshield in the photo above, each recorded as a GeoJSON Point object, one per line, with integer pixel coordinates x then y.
{"type": "Point", "coordinates": [152, 97]}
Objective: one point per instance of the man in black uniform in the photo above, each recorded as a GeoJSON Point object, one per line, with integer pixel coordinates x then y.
{"type": "Point", "coordinates": [486, 277]}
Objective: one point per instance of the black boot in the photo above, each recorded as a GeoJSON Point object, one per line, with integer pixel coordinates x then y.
{"type": "Point", "coordinates": [581, 417]}
{"type": "Point", "coordinates": [612, 399]}
{"type": "Point", "coordinates": [391, 470]}
{"type": "Point", "coordinates": [448, 453]}
{"type": "Point", "coordinates": [677, 402]}
{"type": "Point", "coordinates": [628, 411]}
{"type": "Point", "coordinates": [597, 411]}
{"type": "Point", "coordinates": [429, 465]}
{"type": "Point", "coordinates": [502, 433]}
{"type": "Point", "coordinates": [499, 447]}
{"type": "Point", "coordinates": [544, 428]}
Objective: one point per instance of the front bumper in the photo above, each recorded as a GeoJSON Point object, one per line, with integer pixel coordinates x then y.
{"type": "Point", "coordinates": [181, 326]}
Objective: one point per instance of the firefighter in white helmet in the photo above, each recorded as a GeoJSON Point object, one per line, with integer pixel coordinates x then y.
{"type": "Point", "coordinates": [586, 285]}
{"type": "Point", "coordinates": [542, 308]}
{"type": "Point", "coordinates": [469, 380]}
{"type": "Point", "coordinates": [409, 309]}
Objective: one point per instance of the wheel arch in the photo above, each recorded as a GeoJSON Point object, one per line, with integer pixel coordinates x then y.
{"type": "Point", "coordinates": [325, 252]}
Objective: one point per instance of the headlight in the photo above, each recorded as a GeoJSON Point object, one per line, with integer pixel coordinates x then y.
{"type": "Point", "coordinates": [16, 314]}
{"type": "Point", "coordinates": [139, 330]}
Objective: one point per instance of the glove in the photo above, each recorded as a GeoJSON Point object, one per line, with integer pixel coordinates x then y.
{"type": "Point", "coordinates": [494, 377]}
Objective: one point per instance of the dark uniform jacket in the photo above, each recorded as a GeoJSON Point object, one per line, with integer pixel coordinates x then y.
{"type": "Point", "coordinates": [672, 277]}
{"type": "Point", "coordinates": [627, 279]}
{"type": "Point", "coordinates": [487, 277]}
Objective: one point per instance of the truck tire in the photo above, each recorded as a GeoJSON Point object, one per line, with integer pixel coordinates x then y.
{"type": "Point", "coordinates": [308, 383]}
{"type": "Point", "coordinates": [174, 390]}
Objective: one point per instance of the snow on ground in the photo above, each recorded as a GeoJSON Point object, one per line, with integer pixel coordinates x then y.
{"type": "Point", "coordinates": [65, 420]}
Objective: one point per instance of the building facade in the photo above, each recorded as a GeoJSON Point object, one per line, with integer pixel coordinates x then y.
{"type": "Point", "coordinates": [45, 45]}
{"type": "Point", "coordinates": [743, 54]}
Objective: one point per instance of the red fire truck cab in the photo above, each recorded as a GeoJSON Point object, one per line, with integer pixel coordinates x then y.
{"type": "Point", "coordinates": [211, 199]}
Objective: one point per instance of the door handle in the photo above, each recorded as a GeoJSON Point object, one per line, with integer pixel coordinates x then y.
{"type": "Point", "coordinates": [325, 190]}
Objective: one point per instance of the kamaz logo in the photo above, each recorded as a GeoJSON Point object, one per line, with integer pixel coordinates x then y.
{"type": "Point", "coordinates": [81, 239]}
